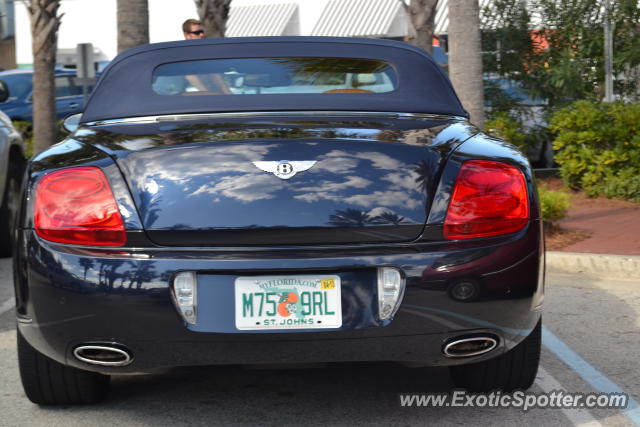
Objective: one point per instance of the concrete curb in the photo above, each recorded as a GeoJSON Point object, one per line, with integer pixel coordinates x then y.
{"type": "Point", "coordinates": [601, 265]}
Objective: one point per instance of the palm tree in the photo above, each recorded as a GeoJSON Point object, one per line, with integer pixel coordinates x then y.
{"type": "Point", "coordinates": [213, 14]}
{"type": "Point", "coordinates": [465, 57]}
{"type": "Point", "coordinates": [421, 19]}
{"type": "Point", "coordinates": [45, 22]}
{"type": "Point", "coordinates": [133, 23]}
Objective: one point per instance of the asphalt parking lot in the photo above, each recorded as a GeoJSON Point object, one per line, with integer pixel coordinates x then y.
{"type": "Point", "coordinates": [591, 343]}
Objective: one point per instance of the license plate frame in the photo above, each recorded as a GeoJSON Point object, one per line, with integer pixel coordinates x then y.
{"type": "Point", "coordinates": [267, 303]}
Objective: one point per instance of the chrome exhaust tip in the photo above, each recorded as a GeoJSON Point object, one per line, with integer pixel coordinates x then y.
{"type": "Point", "coordinates": [470, 346]}
{"type": "Point", "coordinates": [103, 355]}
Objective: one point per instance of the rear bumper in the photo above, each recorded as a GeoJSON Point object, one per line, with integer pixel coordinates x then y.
{"type": "Point", "coordinates": [68, 297]}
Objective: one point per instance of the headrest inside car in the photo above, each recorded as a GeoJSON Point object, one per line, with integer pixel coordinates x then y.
{"type": "Point", "coordinates": [365, 79]}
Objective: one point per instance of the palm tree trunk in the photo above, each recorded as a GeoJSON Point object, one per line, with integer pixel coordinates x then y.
{"type": "Point", "coordinates": [465, 57]}
{"type": "Point", "coordinates": [133, 23]}
{"type": "Point", "coordinates": [44, 30]}
{"type": "Point", "coordinates": [421, 14]}
{"type": "Point", "coordinates": [213, 15]}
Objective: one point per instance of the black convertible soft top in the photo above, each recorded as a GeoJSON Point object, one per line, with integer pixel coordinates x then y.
{"type": "Point", "coordinates": [125, 89]}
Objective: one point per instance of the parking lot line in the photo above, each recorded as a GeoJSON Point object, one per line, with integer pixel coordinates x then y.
{"type": "Point", "coordinates": [588, 373]}
{"type": "Point", "coordinates": [578, 416]}
{"type": "Point", "coordinates": [6, 306]}
{"type": "Point", "coordinates": [591, 375]}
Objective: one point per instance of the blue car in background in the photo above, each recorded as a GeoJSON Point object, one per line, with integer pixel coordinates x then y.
{"type": "Point", "coordinates": [19, 106]}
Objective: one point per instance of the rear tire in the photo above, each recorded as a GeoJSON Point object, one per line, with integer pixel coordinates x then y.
{"type": "Point", "coordinates": [9, 208]}
{"type": "Point", "coordinates": [514, 370]}
{"type": "Point", "coordinates": [47, 382]}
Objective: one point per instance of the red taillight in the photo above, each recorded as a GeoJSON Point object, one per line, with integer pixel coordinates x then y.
{"type": "Point", "coordinates": [489, 199]}
{"type": "Point", "coordinates": [76, 206]}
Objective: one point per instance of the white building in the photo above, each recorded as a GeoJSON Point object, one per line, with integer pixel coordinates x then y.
{"type": "Point", "coordinates": [94, 21]}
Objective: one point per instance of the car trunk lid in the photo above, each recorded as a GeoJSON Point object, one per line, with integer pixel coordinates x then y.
{"type": "Point", "coordinates": [280, 183]}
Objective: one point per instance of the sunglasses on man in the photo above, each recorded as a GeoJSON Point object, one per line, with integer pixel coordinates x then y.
{"type": "Point", "coordinates": [196, 32]}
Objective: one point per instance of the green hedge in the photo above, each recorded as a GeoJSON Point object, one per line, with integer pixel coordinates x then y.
{"type": "Point", "coordinates": [508, 129]}
{"type": "Point", "coordinates": [553, 204]}
{"type": "Point", "coordinates": [511, 129]}
{"type": "Point", "coordinates": [598, 148]}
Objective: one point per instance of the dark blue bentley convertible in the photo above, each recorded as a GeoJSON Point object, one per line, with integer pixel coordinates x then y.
{"type": "Point", "coordinates": [276, 200]}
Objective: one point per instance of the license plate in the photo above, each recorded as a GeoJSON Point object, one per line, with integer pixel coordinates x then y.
{"type": "Point", "coordinates": [288, 302]}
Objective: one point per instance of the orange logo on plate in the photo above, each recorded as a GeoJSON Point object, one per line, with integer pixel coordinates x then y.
{"type": "Point", "coordinates": [287, 303]}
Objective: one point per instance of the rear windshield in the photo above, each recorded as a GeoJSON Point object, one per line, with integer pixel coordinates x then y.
{"type": "Point", "coordinates": [254, 76]}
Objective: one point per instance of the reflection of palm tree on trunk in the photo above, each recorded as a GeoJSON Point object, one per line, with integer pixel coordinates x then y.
{"type": "Point", "coordinates": [87, 263]}
{"type": "Point", "coordinates": [149, 205]}
{"type": "Point", "coordinates": [108, 273]}
{"type": "Point", "coordinates": [388, 218]}
{"type": "Point", "coordinates": [425, 170]}
{"type": "Point", "coordinates": [358, 218]}
{"type": "Point", "coordinates": [350, 218]}
{"type": "Point", "coordinates": [101, 273]}
{"type": "Point", "coordinates": [143, 273]}
{"type": "Point", "coordinates": [125, 276]}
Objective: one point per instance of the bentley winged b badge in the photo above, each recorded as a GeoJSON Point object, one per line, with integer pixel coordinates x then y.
{"type": "Point", "coordinates": [285, 169]}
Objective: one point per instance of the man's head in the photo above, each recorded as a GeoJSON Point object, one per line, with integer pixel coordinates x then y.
{"type": "Point", "coordinates": [192, 29]}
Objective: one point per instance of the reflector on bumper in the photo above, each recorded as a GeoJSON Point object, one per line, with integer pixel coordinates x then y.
{"type": "Point", "coordinates": [185, 296]}
{"type": "Point", "coordinates": [390, 291]}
